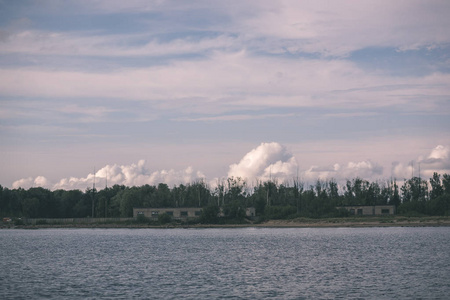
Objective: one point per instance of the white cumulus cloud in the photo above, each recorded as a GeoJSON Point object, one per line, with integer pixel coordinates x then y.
{"type": "Point", "coordinates": [363, 169]}
{"type": "Point", "coordinates": [265, 161]}
{"type": "Point", "coordinates": [322, 173]}
{"type": "Point", "coordinates": [29, 182]}
{"type": "Point", "coordinates": [136, 174]}
{"type": "Point", "coordinates": [23, 183]}
{"type": "Point", "coordinates": [130, 175]}
{"type": "Point", "coordinates": [438, 160]}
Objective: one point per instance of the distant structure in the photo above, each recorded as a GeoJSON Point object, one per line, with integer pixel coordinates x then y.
{"type": "Point", "coordinates": [106, 200]}
{"type": "Point", "coordinates": [375, 210]}
{"type": "Point", "coordinates": [181, 213]}
{"type": "Point", "coordinates": [93, 194]}
{"type": "Point", "coordinates": [176, 213]}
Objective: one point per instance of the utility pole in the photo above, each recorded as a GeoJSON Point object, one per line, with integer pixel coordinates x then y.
{"type": "Point", "coordinates": [93, 195]}
{"type": "Point", "coordinates": [297, 194]}
{"type": "Point", "coordinates": [420, 183]}
{"type": "Point", "coordinates": [106, 198]}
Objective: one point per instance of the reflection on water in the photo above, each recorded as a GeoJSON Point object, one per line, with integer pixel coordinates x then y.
{"type": "Point", "coordinates": [244, 263]}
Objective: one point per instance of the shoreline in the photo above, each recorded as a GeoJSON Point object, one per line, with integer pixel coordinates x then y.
{"type": "Point", "coordinates": [293, 223]}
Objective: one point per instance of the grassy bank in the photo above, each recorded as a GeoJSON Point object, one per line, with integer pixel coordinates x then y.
{"type": "Point", "coordinates": [390, 221]}
{"type": "Point", "coordinates": [385, 221]}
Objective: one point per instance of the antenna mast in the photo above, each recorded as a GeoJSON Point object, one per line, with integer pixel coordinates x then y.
{"type": "Point", "coordinates": [106, 200]}
{"type": "Point", "coordinates": [420, 182]}
{"type": "Point", "coordinates": [93, 185]}
{"type": "Point", "coordinates": [93, 194]}
{"type": "Point", "coordinates": [297, 192]}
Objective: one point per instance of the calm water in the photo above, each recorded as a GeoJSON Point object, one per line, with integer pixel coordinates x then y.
{"type": "Point", "coordinates": [250, 263]}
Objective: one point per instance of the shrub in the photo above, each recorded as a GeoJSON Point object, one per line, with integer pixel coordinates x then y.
{"type": "Point", "coordinates": [210, 214]}
{"type": "Point", "coordinates": [279, 212]}
{"type": "Point", "coordinates": [19, 221]}
{"type": "Point", "coordinates": [164, 218]}
{"type": "Point", "coordinates": [142, 219]}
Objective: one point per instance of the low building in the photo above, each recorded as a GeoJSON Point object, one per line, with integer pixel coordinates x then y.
{"type": "Point", "coordinates": [375, 210]}
{"type": "Point", "coordinates": [176, 213]}
{"type": "Point", "coordinates": [181, 212]}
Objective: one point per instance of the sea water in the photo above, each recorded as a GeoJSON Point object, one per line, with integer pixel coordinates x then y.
{"type": "Point", "coordinates": [240, 263]}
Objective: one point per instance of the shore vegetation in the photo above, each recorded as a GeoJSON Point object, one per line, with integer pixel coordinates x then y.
{"type": "Point", "coordinates": [227, 202]}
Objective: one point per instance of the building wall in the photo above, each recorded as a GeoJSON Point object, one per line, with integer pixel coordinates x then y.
{"type": "Point", "coordinates": [180, 213]}
{"type": "Point", "coordinates": [377, 210]}
{"type": "Point", "coordinates": [381, 210]}
{"type": "Point", "coordinates": [176, 213]}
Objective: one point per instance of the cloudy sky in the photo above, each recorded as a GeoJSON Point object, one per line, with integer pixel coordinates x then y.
{"type": "Point", "coordinates": [172, 91]}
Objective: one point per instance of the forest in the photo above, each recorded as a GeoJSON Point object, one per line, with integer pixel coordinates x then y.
{"type": "Point", "coordinates": [272, 200]}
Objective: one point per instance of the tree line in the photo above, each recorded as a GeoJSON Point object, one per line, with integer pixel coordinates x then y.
{"type": "Point", "coordinates": [271, 199]}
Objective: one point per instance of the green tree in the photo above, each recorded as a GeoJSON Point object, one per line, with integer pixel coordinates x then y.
{"type": "Point", "coordinates": [333, 191]}
{"type": "Point", "coordinates": [234, 210]}
{"type": "Point", "coordinates": [235, 189]}
{"type": "Point", "coordinates": [259, 198]}
{"type": "Point", "coordinates": [271, 189]}
{"type": "Point", "coordinates": [414, 189]}
{"type": "Point", "coordinates": [395, 200]}
{"type": "Point", "coordinates": [128, 199]}
{"type": "Point", "coordinates": [179, 195]}
{"type": "Point", "coordinates": [198, 194]}
{"type": "Point", "coordinates": [164, 196]}
{"type": "Point", "coordinates": [437, 189]}
{"type": "Point", "coordinates": [30, 207]}
{"type": "Point", "coordinates": [446, 183]}
{"type": "Point", "coordinates": [67, 201]}
{"type": "Point", "coordinates": [297, 191]}
{"type": "Point", "coordinates": [210, 214]}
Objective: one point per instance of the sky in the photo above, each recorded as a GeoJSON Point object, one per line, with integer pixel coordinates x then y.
{"type": "Point", "coordinates": [144, 92]}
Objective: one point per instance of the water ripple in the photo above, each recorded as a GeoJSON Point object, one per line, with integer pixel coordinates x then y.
{"type": "Point", "coordinates": [262, 263]}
